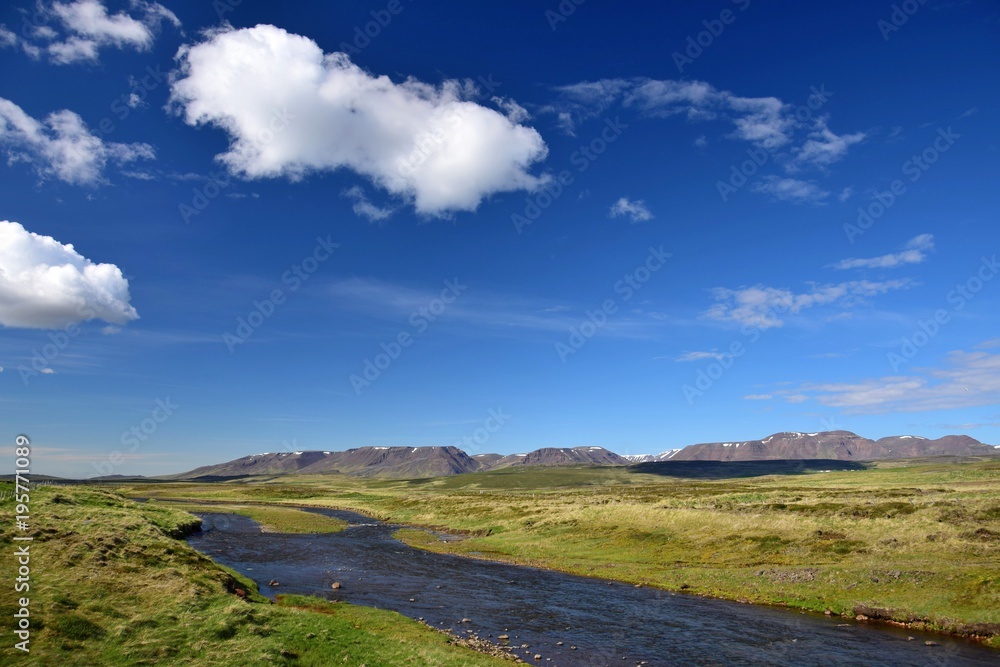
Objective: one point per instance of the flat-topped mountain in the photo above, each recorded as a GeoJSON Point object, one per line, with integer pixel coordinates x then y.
{"type": "Point", "coordinates": [564, 456]}
{"type": "Point", "coordinates": [362, 461]}
{"type": "Point", "coordinates": [411, 462]}
{"type": "Point", "coordinates": [839, 445]}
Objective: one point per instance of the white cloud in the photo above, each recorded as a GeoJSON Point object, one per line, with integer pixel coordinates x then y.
{"type": "Point", "coordinates": [47, 371]}
{"type": "Point", "coordinates": [762, 306]}
{"type": "Point", "coordinates": [758, 397]}
{"type": "Point", "coordinates": [7, 38]}
{"type": "Point", "coordinates": [81, 28]}
{"type": "Point", "coordinates": [823, 147]}
{"type": "Point", "coordinates": [828, 355]}
{"type": "Point", "coordinates": [45, 284]}
{"type": "Point", "coordinates": [587, 99]}
{"type": "Point", "coordinates": [791, 190]}
{"type": "Point", "coordinates": [364, 208]}
{"type": "Point", "coordinates": [515, 112]}
{"type": "Point", "coordinates": [61, 146]}
{"type": "Point", "coordinates": [969, 379]}
{"type": "Point", "coordinates": [845, 194]}
{"type": "Point", "coordinates": [764, 121]}
{"type": "Point", "coordinates": [637, 211]}
{"type": "Point", "coordinates": [699, 356]}
{"type": "Point", "coordinates": [914, 252]}
{"type": "Point", "coordinates": [290, 110]}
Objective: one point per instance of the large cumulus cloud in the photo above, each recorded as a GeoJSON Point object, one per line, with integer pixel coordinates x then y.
{"type": "Point", "coordinates": [290, 109]}
{"type": "Point", "coordinates": [45, 284]}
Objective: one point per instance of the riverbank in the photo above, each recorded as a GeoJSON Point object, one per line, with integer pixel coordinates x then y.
{"type": "Point", "coordinates": [915, 543]}
{"type": "Point", "coordinates": [112, 584]}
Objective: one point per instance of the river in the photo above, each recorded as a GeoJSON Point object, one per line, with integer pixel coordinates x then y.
{"type": "Point", "coordinates": [598, 623]}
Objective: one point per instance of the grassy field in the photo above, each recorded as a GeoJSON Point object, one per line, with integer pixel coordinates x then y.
{"type": "Point", "coordinates": [915, 542]}
{"type": "Point", "coordinates": [272, 519]}
{"type": "Point", "coordinates": [112, 584]}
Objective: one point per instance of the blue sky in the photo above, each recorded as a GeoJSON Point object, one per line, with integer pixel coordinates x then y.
{"type": "Point", "coordinates": [246, 227]}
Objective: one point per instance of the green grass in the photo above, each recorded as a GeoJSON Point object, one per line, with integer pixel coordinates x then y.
{"type": "Point", "coordinates": [112, 584]}
{"type": "Point", "coordinates": [911, 541]}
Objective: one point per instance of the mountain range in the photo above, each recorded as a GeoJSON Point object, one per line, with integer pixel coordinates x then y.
{"type": "Point", "coordinates": [414, 462]}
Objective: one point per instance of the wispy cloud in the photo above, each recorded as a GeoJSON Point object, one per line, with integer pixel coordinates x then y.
{"type": "Point", "coordinates": [791, 190]}
{"type": "Point", "coordinates": [824, 147]}
{"type": "Point", "coordinates": [968, 379]}
{"type": "Point", "coordinates": [636, 211]}
{"type": "Point", "coordinates": [914, 252]}
{"type": "Point", "coordinates": [764, 121]}
{"type": "Point", "coordinates": [758, 397]}
{"type": "Point", "coordinates": [492, 314]}
{"type": "Point", "coordinates": [763, 306]}
{"type": "Point", "coordinates": [699, 356]}
{"type": "Point", "coordinates": [960, 428]}
{"type": "Point", "coordinates": [364, 208]}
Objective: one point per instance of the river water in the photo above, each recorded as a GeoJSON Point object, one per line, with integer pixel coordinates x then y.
{"type": "Point", "coordinates": [608, 624]}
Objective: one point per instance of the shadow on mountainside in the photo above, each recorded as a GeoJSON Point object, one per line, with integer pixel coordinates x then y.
{"type": "Point", "coordinates": [731, 469]}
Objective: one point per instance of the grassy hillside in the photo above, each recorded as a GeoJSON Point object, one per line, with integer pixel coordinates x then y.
{"type": "Point", "coordinates": [909, 541]}
{"type": "Point", "coordinates": [113, 585]}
